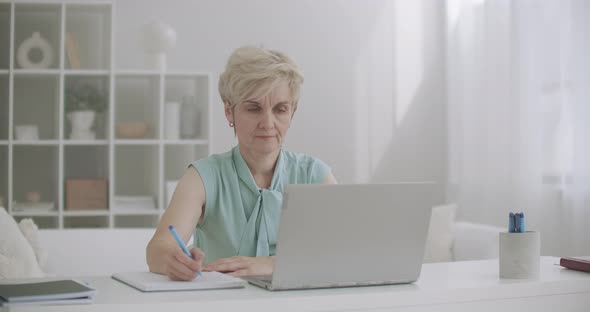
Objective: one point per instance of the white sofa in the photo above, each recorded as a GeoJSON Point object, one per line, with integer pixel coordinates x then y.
{"type": "Point", "coordinates": [76, 252]}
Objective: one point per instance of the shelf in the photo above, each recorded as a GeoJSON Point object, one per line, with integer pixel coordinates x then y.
{"type": "Point", "coordinates": [86, 162]}
{"type": "Point", "coordinates": [36, 114]}
{"type": "Point", "coordinates": [136, 172]}
{"type": "Point", "coordinates": [35, 143]}
{"type": "Point", "coordinates": [192, 95]}
{"type": "Point", "coordinates": [156, 142]}
{"type": "Point", "coordinates": [137, 109]}
{"type": "Point", "coordinates": [80, 72]}
{"type": "Point", "coordinates": [136, 142]}
{"type": "Point", "coordinates": [185, 142]}
{"type": "Point", "coordinates": [44, 19]}
{"type": "Point", "coordinates": [85, 142]}
{"type": "Point", "coordinates": [33, 213]}
{"type": "Point", "coordinates": [87, 36]}
{"type": "Point", "coordinates": [36, 72]}
{"type": "Point", "coordinates": [3, 176]}
{"type": "Point", "coordinates": [4, 107]}
{"type": "Point", "coordinates": [177, 158]}
{"type": "Point", "coordinates": [147, 72]}
{"type": "Point", "coordinates": [187, 74]}
{"type": "Point", "coordinates": [138, 72]}
{"type": "Point", "coordinates": [86, 176]}
{"type": "Point", "coordinates": [100, 122]}
{"type": "Point", "coordinates": [121, 172]}
{"type": "Point", "coordinates": [147, 212]}
{"type": "Point", "coordinates": [85, 213]}
{"type": "Point", "coordinates": [5, 22]}
{"type": "Point", "coordinates": [35, 169]}
{"type": "Point", "coordinates": [86, 221]}
{"type": "Point", "coordinates": [43, 222]}
{"type": "Point", "coordinates": [136, 221]}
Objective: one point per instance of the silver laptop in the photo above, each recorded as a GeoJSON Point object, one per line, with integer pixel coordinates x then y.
{"type": "Point", "coordinates": [350, 235]}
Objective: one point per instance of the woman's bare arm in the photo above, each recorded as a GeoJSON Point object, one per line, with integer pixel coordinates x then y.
{"type": "Point", "coordinates": [184, 212]}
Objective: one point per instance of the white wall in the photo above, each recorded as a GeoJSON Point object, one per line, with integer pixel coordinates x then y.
{"type": "Point", "coordinates": [372, 104]}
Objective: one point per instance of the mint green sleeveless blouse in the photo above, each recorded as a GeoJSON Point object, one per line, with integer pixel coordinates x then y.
{"type": "Point", "coordinates": [240, 218]}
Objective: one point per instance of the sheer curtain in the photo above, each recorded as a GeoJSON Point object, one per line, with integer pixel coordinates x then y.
{"type": "Point", "coordinates": [519, 116]}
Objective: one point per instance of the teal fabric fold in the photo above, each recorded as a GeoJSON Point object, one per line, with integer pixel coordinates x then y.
{"type": "Point", "coordinates": [241, 218]}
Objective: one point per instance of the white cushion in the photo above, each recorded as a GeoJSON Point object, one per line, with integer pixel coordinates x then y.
{"type": "Point", "coordinates": [475, 241]}
{"type": "Point", "coordinates": [79, 252]}
{"type": "Point", "coordinates": [17, 258]}
{"type": "Point", "coordinates": [439, 241]}
{"type": "Point", "coordinates": [31, 233]}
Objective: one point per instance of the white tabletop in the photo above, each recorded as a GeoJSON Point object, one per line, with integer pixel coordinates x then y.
{"type": "Point", "coordinates": [453, 286]}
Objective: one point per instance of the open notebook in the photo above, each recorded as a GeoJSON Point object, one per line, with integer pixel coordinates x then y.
{"type": "Point", "coordinates": [146, 281]}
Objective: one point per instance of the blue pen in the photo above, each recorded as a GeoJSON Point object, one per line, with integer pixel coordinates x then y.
{"type": "Point", "coordinates": [181, 243]}
{"type": "Point", "coordinates": [511, 222]}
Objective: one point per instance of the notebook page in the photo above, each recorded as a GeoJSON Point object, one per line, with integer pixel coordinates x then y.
{"type": "Point", "coordinates": [147, 281]}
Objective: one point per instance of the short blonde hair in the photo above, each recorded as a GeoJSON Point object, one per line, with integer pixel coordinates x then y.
{"type": "Point", "coordinates": [254, 72]}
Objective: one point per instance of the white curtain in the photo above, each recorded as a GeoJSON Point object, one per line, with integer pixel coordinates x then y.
{"type": "Point", "coordinates": [518, 81]}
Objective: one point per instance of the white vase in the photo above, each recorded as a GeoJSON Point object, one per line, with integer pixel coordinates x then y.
{"type": "Point", "coordinates": [81, 122]}
{"type": "Point", "coordinates": [170, 188]}
{"type": "Point", "coordinates": [172, 121]}
{"type": "Point", "coordinates": [158, 39]}
{"type": "Point", "coordinates": [156, 61]}
{"type": "Point", "coordinates": [189, 123]}
{"type": "Point", "coordinates": [26, 132]}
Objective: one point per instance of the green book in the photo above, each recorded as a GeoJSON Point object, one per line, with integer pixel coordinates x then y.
{"type": "Point", "coordinates": [46, 292]}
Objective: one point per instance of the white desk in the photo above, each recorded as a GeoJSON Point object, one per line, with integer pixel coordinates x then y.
{"type": "Point", "coordinates": [454, 286]}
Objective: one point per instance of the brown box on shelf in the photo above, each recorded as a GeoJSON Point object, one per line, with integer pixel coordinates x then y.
{"type": "Point", "coordinates": [86, 194]}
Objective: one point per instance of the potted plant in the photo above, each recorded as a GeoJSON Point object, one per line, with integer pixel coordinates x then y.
{"type": "Point", "coordinates": [82, 102]}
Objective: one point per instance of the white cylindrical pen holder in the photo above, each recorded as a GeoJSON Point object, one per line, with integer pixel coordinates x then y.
{"type": "Point", "coordinates": [520, 255]}
{"type": "Point", "coordinates": [26, 132]}
{"type": "Point", "coordinates": [172, 121]}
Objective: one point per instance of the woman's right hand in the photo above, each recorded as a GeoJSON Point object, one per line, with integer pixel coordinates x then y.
{"type": "Point", "coordinates": [179, 267]}
{"type": "Point", "coordinates": [163, 254]}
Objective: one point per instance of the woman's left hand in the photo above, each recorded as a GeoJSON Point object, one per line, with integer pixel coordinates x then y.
{"type": "Point", "coordinates": [242, 266]}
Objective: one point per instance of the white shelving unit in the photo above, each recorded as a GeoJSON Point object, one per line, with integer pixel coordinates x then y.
{"type": "Point", "coordinates": [136, 169]}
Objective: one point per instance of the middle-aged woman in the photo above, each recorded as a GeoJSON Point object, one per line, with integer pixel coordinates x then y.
{"type": "Point", "coordinates": [234, 199]}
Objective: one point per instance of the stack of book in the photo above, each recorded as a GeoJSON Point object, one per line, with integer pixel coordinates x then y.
{"type": "Point", "coordinates": [45, 293]}
{"type": "Point", "coordinates": [134, 203]}
{"type": "Point", "coordinates": [33, 207]}
{"type": "Point", "coordinates": [576, 263]}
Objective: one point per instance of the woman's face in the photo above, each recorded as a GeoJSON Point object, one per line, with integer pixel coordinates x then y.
{"type": "Point", "coordinates": [261, 124]}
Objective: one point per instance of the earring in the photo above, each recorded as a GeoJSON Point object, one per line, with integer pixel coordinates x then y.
{"type": "Point", "coordinates": [231, 124]}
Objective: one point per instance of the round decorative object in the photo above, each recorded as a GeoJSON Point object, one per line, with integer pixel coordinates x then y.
{"type": "Point", "coordinates": [159, 37]}
{"type": "Point", "coordinates": [34, 53]}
